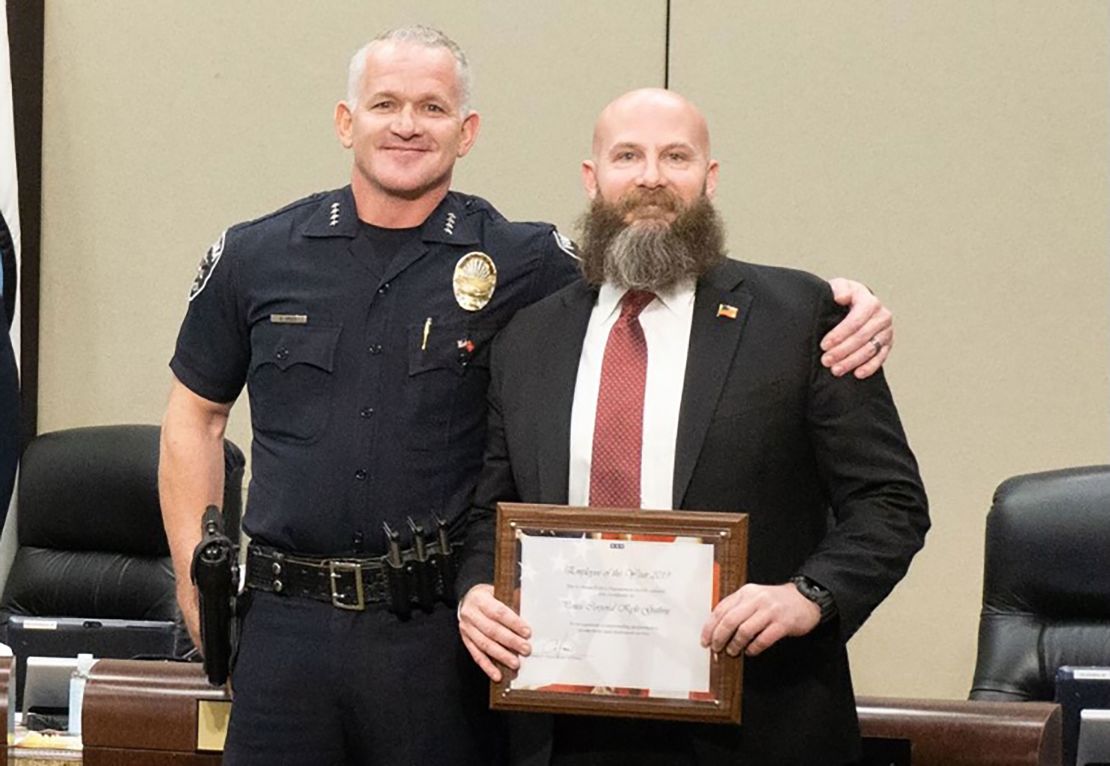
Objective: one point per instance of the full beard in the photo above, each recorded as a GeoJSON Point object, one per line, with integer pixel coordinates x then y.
{"type": "Point", "coordinates": [632, 245]}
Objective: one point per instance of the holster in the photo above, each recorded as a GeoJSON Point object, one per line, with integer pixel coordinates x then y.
{"type": "Point", "coordinates": [215, 572]}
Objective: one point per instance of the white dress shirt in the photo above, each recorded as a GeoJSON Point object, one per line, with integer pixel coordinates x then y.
{"type": "Point", "coordinates": [666, 323]}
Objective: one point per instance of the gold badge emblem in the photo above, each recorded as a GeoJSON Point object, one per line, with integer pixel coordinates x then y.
{"type": "Point", "coordinates": [474, 280]}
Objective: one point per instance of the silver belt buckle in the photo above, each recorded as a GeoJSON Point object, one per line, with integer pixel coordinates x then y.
{"type": "Point", "coordinates": [337, 569]}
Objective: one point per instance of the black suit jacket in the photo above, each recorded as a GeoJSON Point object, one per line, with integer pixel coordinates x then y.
{"type": "Point", "coordinates": [820, 465]}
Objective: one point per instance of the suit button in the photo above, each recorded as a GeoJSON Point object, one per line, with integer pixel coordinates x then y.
{"type": "Point", "coordinates": [384, 288]}
{"type": "Point", "coordinates": [360, 474]}
{"type": "Point", "coordinates": [366, 412]}
{"type": "Point", "coordinates": [375, 349]}
{"type": "Point", "coordinates": [281, 353]}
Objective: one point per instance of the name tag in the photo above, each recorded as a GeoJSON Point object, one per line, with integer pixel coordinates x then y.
{"type": "Point", "coordinates": [288, 318]}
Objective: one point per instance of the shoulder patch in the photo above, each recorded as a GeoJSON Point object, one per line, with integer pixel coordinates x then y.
{"type": "Point", "coordinates": [566, 244]}
{"type": "Point", "coordinates": [207, 264]}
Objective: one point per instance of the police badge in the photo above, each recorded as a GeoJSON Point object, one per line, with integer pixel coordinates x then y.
{"type": "Point", "coordinates": [207, 263]}
{"type": "Point", "coordinates": [474, 281]}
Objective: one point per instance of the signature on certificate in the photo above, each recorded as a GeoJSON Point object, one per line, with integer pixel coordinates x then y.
{"type": "Point", "coordinates": [565, 648]}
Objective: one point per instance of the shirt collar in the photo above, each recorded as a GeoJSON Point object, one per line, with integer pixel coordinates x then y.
{"type": "Point", "coordinates": [672, 299]}
{"type": "Point", "coordinates": [450, 222]}
{"type": "Point", "coordinates": [335, 216]}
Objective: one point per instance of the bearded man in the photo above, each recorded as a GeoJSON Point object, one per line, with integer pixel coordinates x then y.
{"type": "Point", "coordinates": [711, 366]}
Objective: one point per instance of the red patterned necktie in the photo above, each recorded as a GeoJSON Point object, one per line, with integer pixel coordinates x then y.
{"type": "Point", "coordinates": [619, 423]}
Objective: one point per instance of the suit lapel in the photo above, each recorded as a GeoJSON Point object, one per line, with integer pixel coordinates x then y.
{"type": "Point", "coordinates": [560, 349]}
{"type": "Point", "coordinates": [714, 336]}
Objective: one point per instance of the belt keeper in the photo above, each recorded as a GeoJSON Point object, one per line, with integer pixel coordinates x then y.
{"type": "Point", "coordinates": [276, 569]}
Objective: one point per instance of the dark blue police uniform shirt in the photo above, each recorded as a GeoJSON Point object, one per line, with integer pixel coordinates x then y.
{"type": "Point", "coordinates": [357, 418]}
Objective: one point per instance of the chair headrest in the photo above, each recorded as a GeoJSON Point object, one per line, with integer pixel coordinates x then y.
{"type": "Point", "coordinates": [1046, 544]}
{"type": "Point", "coordinates": [92, 489]}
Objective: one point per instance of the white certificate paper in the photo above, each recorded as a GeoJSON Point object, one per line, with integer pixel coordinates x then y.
{"type": "Point", "coordinates": [616, 613]}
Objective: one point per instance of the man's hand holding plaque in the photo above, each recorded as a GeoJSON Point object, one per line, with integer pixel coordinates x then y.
{"type": "Point", "coordinates": [493, 633]}
{"type": "Point", "coordinates": [608, 612]}
{"type": "Point", "coordinates": [755, 617]}
{"type": "Point", "coordinates": [749, 620]}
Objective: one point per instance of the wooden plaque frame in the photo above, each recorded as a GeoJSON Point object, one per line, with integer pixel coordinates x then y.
{"type": "Point", "coordinates": [727, 532]}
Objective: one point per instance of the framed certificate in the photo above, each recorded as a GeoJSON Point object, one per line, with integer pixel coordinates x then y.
{"type": "Point", "coordinates": [616, 600]}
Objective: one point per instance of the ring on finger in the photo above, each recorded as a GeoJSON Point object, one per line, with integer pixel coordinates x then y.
{"type": "Point", "coordinates": [876, 344]}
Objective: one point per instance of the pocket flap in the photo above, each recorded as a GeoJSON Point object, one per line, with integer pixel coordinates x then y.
{"type": "Point", "coordinates": [287, 345]}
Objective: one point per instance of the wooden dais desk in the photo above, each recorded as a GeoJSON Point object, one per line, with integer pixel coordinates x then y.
{"type": "Point", "coordinates": [148, 712]}
{"type": "Point", "coordinates": [966, 733]}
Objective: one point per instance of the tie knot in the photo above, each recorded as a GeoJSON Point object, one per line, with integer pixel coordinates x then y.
{"type": "Point", "coordinates": [634, 301]}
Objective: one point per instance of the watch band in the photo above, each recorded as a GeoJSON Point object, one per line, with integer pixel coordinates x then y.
{"type": "Point", "coordinates": [818, 594]}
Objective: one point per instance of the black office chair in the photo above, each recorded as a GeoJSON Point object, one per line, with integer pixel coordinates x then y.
{"type": "Point", "coordinates": [1046, 585]}
{"type": "Point", "coordinates": [91, 546]}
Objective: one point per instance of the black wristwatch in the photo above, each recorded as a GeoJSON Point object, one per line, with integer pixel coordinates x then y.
{"type": "Point", "coordinates": [818, 594]}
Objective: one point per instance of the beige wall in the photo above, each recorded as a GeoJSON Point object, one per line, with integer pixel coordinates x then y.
{"type": "Point", "coordinates": [165, 122]}
{"type": "Point", "coordinates": [952, 154]}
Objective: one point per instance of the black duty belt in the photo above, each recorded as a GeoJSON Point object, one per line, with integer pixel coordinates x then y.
{"type": "Point", "coordinates": [414, 577]}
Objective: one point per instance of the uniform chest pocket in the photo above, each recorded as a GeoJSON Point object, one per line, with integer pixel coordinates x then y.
{"type": "Point", "coordinates": [445, 395]}
{"type": "Point", "coordinates": [291, 380]}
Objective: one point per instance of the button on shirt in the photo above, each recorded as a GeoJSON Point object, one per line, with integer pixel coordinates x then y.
{"type": "Point", "coordinates": [367, 380]}
{"type": "Point", "coordinates": [666, 323]}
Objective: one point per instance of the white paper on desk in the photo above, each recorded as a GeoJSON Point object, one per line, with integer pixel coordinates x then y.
{"type": "Point", "coordinates": [623, 613]}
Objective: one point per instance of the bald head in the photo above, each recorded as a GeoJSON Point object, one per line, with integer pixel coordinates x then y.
{"type": "Point", "coordinates": [651, 105]}
{"type": "Point", "coordinates": [650, 139]}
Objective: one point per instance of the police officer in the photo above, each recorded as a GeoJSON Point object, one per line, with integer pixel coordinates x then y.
{"type": "Point", "coordinates": [360, 321]}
